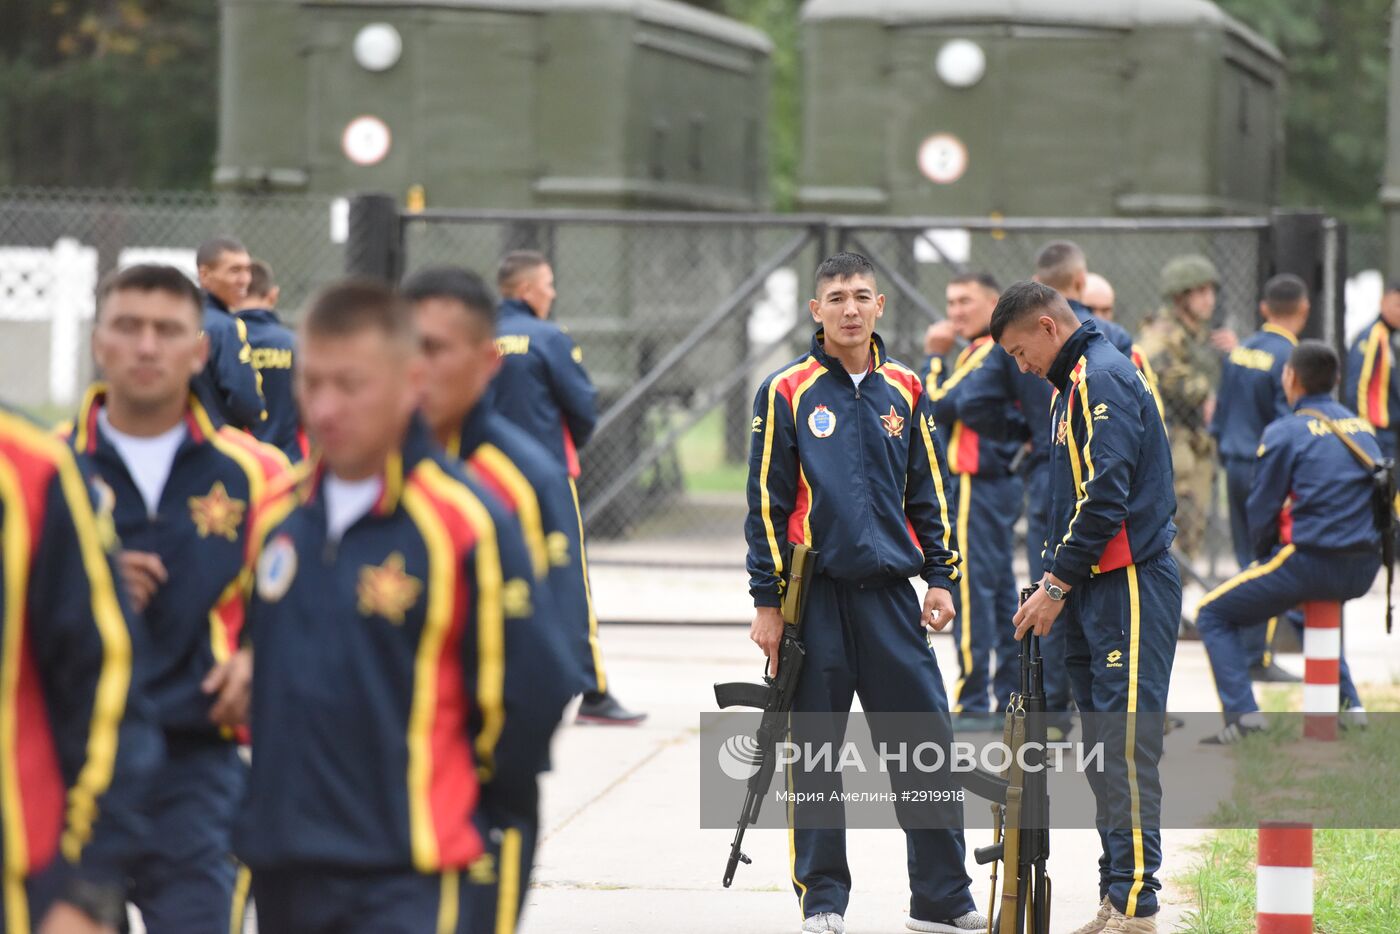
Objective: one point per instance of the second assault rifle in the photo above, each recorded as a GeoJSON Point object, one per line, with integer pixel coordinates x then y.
{"type": "Point", "coordinates": [1020, 805]}
{"type": "Point", "coordinates": [774, 697]}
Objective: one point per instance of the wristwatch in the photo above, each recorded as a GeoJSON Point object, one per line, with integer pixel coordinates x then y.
{"type": "Point", "coordinates": [1055, 592]}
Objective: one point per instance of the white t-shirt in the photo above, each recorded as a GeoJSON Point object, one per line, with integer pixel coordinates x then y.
{"type": "Point", "coordinates": [148, 460]}
{"type": "Point", "coordinates": [347, 501]}
{"type": "Point", "coordinates": [857, 377]}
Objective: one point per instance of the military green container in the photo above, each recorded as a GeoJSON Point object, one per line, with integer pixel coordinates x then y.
{"type": "Point", "coordinates": [1037, 107]}
{"type": "Point", "coordinates": [486, 103]}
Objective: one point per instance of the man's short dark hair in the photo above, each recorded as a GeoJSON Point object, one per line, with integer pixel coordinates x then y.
{"type": "Point", "coordinates": [515, 265]}
{"type": "Point", "coordinates": [456, 284]}
{"type": "Point", "coordinates": [260, 282]}
{"type": "Point", "coordinates": [1315, 366]}
{"type": "Point", "coordinates": [151, 277]}
{"type": "Point", "coordinates": [1284, 293]}
{"type": "Point", "coordinates": [1022, 300]}
{"type": "Point", "coordinates": [349, 306]}
{"type": "Point", "coordinates": [1058, 261]}
{"type": "Point", "coordinates": [844, 266]}
{"type": "Point", "coordinates": [985, 279]}
{"type": "Point", "coordinates": [213, 249]}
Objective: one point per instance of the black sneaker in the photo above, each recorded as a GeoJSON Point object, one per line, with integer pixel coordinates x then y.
{"type": "Point", "coordinates": [1272, 674]}
{"type": "Point", "coordinates": [1231, 734]}
{"type": "Point", "coordinates": [604, 710]}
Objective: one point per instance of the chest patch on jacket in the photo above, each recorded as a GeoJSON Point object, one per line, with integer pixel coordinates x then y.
{"type": "Point", "coordinates": [387, 590]}
{"type": "Point", "coordinates": [217, 513]}
{"type": "Point", "coordinates": [894, 423]}
{"type": "Point", "coordinates": [822, 422]}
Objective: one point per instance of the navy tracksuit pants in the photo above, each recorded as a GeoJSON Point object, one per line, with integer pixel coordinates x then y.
{"type": "Point", "coordinates": [341, 901]}
{"type": "Point", "coordinates": [1256, 639]}
{"type": "Point", "coordinates": [500, 879]}
{"type": "Point", "coordinates": [1120, 631]}
{"type": "Point", "coordinates": [866, 640]}
{"type": "Point", "coordinates": [985, 597]}
{"type": "Point", "coordinates": [185, 880]}
{"type": "Point", "coordinates": [1290, 576]}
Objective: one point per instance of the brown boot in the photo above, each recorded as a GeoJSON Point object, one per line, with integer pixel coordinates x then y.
{"type": "Point", "coordinates": [1119, 923]}
{"type": "Point", "coordinates": [1100, 920]}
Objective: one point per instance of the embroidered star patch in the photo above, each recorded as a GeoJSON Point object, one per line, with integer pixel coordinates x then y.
{"type": "Point", "coordinates": [894, 423]}
{"type": "Point", "coordinates": [217, 513]}
{"type": "Point", "coordinates": [387, 590]}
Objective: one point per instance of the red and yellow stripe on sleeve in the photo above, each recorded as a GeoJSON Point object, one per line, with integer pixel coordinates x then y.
{"type": "Point", "coordinates": [1373, 393]}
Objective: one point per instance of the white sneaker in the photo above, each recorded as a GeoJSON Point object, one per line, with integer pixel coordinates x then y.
{"type": "Point", "coordinates": [828, 922]}
{"type": "Point", "coordinates": [972, 921]}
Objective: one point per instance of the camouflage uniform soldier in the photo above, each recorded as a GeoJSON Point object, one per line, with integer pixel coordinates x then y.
{"type": "Point", "coordinates": [1186, 356]}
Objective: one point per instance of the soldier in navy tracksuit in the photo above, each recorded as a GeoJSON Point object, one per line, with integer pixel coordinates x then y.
{"type": "Point", "coordinates": [84, 743]}
{"type": "Point", "coordinates": [846, 457]}
{"type": "Point", "coordinates": [186, 495]}
{"type": "Point", "coordinates": [274, 357]}
{"type": "Point", "coordinates": [543, 387]}
{"type": "Point", "coordinates": [404, 685]}
{"type": "Point", "coordinates": [1372, 386]}
{"type": "Point", "coordinates": [1108, 566]}
{"type": "Point", "coordinates": [1249, 398]}
{"type": "Point", "coordinates": [454, 314]}
{"type": "Point", "coordinates": [1312, 526]}
{"type": "Point", "coordinates": [229, 385]}
{"type": "Point", "coordinates": [981, 490]}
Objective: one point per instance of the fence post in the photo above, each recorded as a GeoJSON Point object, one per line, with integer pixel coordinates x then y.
{"type": "Point", "coordinates": [1298, 245]}
{"type": "Point", "coordinates": [70, 301]}
{"type": "Point", "coordinates": [1283, 883]}
{"type": "Point", "coordinates": [375, 246]}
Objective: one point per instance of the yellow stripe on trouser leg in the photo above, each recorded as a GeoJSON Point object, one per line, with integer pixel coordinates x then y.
{"type": "Point", "coordinates": [508, 886]}
{"type": "Point", "coordinates": [449, 903]}
{"type": "Point", "coordinates": [1269, 641]}
{"type": "Point", "coordinates": [1130, 743]}
{"type": "Point", "coordinates": [964, 592]}
{"type": "Point", "coordinates": [241, 885]}
{"type": "Point", "coordinates": [599, 674]}
{"type": "Point", "coordinates": [1253, 572]}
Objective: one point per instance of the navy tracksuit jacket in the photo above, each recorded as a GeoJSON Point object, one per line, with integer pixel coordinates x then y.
{"type": "Point", "coordinates": [84, 742]}
{"type": "Point", "coordinates": [1313, 533]}
{"type": "Point", "coordinates": [542, 385]}
{"type": "Point", "coordinates": [1110, 532]}
{"type": "Point", "coordinates": [984, 497]}
{"type": "Point", "coordinates": [1249, 398]}
{"type": "Point", "coordinates": [858, 473]}
{"type": "Point", "coordinates": [535, 489]}
{"type": "Point", "coordinates": [229, 386]}
{"type": "Point", "coordinates": [273, 352]}
{"type": "Point", "coordinates": [1372, 386]}
{"type": "Point", "coordinates": [403, 684]}
{"type": "Point", "coordinates": [220, 483]}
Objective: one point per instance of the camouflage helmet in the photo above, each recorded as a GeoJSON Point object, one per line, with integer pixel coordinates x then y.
{"type": "Point", "coordinates": [1184, 273]}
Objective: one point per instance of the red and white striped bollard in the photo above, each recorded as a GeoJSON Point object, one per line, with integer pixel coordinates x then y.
{"type": "Point", "coordinates": [1284, 880]}
{"type": "Point", "coordinates": [1322, 653]}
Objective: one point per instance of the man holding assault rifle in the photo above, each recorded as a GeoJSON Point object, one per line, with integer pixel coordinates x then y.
{"type": "Point", "coordinates": [845, 459]}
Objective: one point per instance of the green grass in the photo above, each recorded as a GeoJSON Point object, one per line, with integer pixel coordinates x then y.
{"type": "Point", "coordinates": [701, 452]}
{"type": "Point", "coordinates": [1357, 872]}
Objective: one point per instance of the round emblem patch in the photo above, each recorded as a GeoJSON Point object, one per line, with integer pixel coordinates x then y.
{"type": "Point", "coordinates": [822, 421]}
{"type": "Point", "coordinates": [276, 568]}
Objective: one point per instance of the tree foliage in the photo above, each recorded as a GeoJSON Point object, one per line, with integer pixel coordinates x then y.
{"type": "Point", "coordinates": [111, 93]}
{"type": "Point", "coordinates": [1338, 73]}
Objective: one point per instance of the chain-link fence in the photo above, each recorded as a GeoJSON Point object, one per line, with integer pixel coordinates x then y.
{"type": "Point", "coordinates": [55, 245]}
{"type": "Point", "coordinates": [680, 316]}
